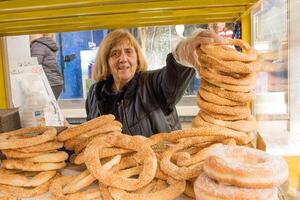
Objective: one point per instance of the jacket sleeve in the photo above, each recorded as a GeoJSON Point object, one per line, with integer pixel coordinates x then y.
{"type": "Point", "coordinates": [89, 105]}
{"type": "Point", "coordinates": [38, 50]}
{"type": "Point", "coordinates": [170, 82]}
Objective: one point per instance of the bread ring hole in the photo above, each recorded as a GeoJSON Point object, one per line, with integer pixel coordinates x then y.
{"type": "Point", "coordinates": [25, 135]}
{"type": "Point", "coordinates": [132, 172]}
{"type": "Point", "coordinates": [79, 183]}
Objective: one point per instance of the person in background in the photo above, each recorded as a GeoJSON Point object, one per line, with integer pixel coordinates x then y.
{"type": "Point", "coordinates": [43, 46]}
{"type": "Point", "coordinates": [221, 29]}
{"type": "Point", "coordinates": [143, 101]}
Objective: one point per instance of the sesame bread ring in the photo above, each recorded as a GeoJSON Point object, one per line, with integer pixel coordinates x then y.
{"type": "Point", "coordinates": [229, 66]}
{"type": "Point", "coordinates": [235, 88]}
{"type": "Point", "coordinates": [245, 167]}
{"type": "Point", "coordinates": [22, 180]}
{"type": "Point", "coordinates": [236, 79]}
{"type": "Point", "coordinates": [21, 192]}
{"type": "Point", "coordinates": [209, 134]}
{"type": "Point", "coordinates": [106, 152]}
{"type": "Point", "coordinates": [226, 117]}
{"type": "Point", "coordinates": [31, 166]}
{"type": "Point", "coordinates": [16, 154]}
{"type": "Point", "coordinates": [106, 175]}
{"type": "Point", "coordinates": [85, 127]}
{"type": "Point", "coordinates": [44, 147]}
{"type": "Point", "coordinates": [246, 125]}
{"type": "Point", "coordinates": [26, 137]}
{"type": "Point", "coordinates": [208, 189]}
{"type": "Point", "coordinates": [222, 109]}
{"type": "Point", "coordinates": [53, 157]}
{"type": "Point", "coordinates": [213, 98]}
{"type": "Point", "coordinates": [224, 52]}
{"type": "Point", "coordinates": [227, 94]}
{"type": "Point", "coordinates": [113, 126]}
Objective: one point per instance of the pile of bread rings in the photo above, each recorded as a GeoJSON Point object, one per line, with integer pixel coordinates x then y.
{"type": "Point", "coordinates": [118, 166]}
{"type": "Point", "coordinates": [228, 79]}
{"type": "Point", "coordinates": [235, 172]}
{"type": "Point", "coordinates": [32, 161]}
{"type": "Point", "coordinates": [82, 185]}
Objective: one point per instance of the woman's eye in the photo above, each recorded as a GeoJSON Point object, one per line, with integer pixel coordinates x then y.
{"type": "Point", "coordinates": [129, 51]}
{"type": "Point", "coordinates": [114, 54]}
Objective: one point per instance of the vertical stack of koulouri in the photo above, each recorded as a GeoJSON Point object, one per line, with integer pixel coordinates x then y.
{"type": "Point", "coordinates": [32, 161]}
{"type": "Point", "coordinates": [228, 79]}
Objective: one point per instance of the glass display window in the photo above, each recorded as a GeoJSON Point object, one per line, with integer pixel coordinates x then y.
{"type": "Point", "coordinates": [270, 38]}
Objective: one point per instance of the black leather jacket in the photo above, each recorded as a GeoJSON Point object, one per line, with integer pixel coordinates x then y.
{"type": "Point", "coordinates": [146, 105]}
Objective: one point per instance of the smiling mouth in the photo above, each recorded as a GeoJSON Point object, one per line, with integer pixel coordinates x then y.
{"type": "Point", "coordinates": [123, 68]}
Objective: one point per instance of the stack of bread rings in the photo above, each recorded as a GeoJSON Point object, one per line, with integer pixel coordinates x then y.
{"type": "Point", "coordinates": [32, 161]}
{"type": "Point", "coordinates": [228, 79]}
{"type": "Point", "coordinates": [236, 172]}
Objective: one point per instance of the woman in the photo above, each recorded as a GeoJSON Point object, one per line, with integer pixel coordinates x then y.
{"type": "Point", "coordinates": [44, 48]}
{"type": "Point", "coordinates": [221, 29]}
{"type": "Point", "coordinates": [144, 101]}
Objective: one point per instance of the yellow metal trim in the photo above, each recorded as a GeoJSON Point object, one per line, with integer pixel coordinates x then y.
{"type": "Point", "coordinates": [246, 27]}
{"type": "Point", "coordinates": [113, 19]}
{"type": "Point", "coordinates": [25, 6]}
{"type": "Point", "coordinates": [120, 24]}
{"type": "Point", "coordinates": [246, 33]}
{"type": "Point", "coordinates": [3, 99]}
{"type": "Point", "coordinates": [21, 17]}
{"type": "Point", "coordinates": [111, 10]}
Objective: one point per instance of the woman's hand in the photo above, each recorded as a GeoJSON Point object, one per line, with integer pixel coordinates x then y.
{"type": "Point", "coordinates": [185, 51]}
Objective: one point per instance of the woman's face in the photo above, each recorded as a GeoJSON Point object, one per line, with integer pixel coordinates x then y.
{"type": "Point", "coordinates": [122, 62]}
{"type": "Point", "coordinates": [220, 26]}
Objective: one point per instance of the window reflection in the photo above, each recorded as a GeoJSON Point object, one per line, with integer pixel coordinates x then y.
{"type": "Point", "coordinates": [271, 41]}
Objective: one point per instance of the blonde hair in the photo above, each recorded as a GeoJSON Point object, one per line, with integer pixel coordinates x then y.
{"type": "Point", "coordinates": [101, 66]}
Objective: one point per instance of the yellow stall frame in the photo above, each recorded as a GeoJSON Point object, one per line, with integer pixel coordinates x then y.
{"type": "Point", "coordinates": [19, 17]}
